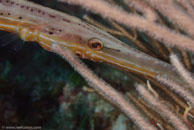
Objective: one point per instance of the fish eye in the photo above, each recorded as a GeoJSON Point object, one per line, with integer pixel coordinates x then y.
{"type": "Point", "coordinates": [95, 44]}
{"type": "Point", "coordinates": [78, 54]}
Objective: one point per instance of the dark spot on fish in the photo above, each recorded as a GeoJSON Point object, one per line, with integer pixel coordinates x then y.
{"type": "Point", "coordinates": [51, 33]}
{"type": "Point", "coordinates": [52, 16]}
{"type": "Point", "coordinates": [66, 20]}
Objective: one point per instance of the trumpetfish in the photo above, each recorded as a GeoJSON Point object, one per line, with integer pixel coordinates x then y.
{"type": "Point", "coordinates": [33, 22]}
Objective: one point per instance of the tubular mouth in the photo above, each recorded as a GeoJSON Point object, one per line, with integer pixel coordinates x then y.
{"type": "Point", "coordinates": [124, 60]}
{"type": "Point", "coordinates": [137, 62]}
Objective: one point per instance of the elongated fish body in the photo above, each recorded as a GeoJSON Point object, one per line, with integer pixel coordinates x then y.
{"type": "Point", "coordinates": [46, 26]}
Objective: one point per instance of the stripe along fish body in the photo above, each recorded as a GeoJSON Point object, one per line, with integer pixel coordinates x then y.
{"type": "Point", "coordinates": [46, 26]}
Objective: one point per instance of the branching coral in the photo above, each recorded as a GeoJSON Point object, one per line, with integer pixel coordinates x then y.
{"type": "Point", "coordinates": [147, 24]}
{"type": "Point", "coordinates": [136, 21]}
{"type": "Point", "coordinates": [148, 16]}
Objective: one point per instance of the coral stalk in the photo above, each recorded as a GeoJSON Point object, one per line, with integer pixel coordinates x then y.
{"type": "Point", "coordinates": [143, 7]}
{"type": "Point", "coordinates": [177, 89]}
{"type": "Point", "coordinates": [188, 77]}
{"type": "Point", "coordinates": [168, 8]}
{"type": "Point", "coordinates": [103, 88]}
{"type": "Point", "coordinates": [162, 108]}
{"type": "Point", "coordinates": [117, 14]}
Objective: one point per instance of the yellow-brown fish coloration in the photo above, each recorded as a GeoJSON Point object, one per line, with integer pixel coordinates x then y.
{"type": "Point", "coordinates": [46, 26]}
